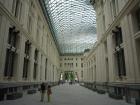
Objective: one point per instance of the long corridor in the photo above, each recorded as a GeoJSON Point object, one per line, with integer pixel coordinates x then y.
{"type": "Point", "coordinates": [67, 95]}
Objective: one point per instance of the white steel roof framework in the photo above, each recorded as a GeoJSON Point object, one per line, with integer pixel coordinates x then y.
{"type": "Point", "coordinates": [74, 24]}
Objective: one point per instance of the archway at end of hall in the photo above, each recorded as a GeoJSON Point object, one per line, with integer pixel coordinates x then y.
{"type": "Point", "coordinates": [69, 76]}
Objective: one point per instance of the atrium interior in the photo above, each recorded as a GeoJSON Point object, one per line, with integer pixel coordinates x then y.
{"type": "Point", "coordinates": [87, 51]}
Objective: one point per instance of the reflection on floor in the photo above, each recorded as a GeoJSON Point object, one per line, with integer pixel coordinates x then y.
{"type": "Point", "coordinates": [67, 95]}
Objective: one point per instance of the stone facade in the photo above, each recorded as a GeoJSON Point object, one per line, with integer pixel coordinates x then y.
{"type": "Point", "coordinates": [73, 63]}
{"type": "Point", "coordinates": [116, 52]}
{"type": "Point", "coordinates": [28, 52]}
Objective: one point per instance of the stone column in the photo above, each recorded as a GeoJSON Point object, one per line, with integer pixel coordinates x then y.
{"type": "Point", "coordinates": [48, 70]}
{"type": "Point", "coordinates": [31, 63]}
{"type": "Point", "coordinates": [55, 74]}
{"type": "Point", "coordinates": [3, 44]}
{"type": "Point", "coordinates": [43, 68]}
{"type": "Point", "coordinates": [38, 66]}
{"type": "Point", "coordinates": [20, 59]}
{"type": "Point", "coordinates": [25, 12]}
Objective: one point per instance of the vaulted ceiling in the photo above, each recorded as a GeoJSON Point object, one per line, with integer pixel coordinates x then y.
{"type": "Point", "coordinates": [73, 23]}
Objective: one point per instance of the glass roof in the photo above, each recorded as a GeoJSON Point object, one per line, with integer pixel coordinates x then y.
{"type": "Point", "coordinates": [74, 24]}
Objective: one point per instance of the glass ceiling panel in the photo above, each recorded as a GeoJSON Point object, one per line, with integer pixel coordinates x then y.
{"type": "Point", "coordinates": [74, 24]}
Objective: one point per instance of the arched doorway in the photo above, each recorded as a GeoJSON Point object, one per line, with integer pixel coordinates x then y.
{"type": "Point", "coordinates": [69, 77]}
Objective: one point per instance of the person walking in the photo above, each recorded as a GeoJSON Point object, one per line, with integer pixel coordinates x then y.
{"type": "Point", "coordinates": [43, 90]}
{"type": "Point", "coordinates": [49, 92]}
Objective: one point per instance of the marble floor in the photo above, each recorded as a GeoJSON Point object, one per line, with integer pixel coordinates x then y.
{"type": "Point", "coordinates": [67, 95]}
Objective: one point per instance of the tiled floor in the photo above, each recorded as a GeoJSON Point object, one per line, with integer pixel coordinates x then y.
{"type": "Point", "coordinates": [67, 95]}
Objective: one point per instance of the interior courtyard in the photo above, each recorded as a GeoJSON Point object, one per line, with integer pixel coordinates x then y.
{"type": "Point", "coordinates": [87, 51]}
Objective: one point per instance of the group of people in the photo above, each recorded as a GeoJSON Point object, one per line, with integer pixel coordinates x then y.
{"type": "Point", "coordinates": [43, 89]}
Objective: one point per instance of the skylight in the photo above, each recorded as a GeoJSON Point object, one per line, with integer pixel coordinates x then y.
{"type": "Point", "coordinates": [74, 24]}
